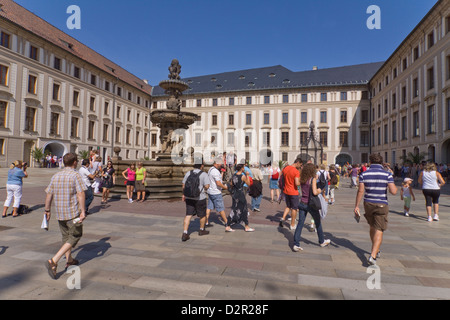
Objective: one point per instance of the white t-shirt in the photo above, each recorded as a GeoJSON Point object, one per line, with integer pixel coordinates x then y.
{"type": "Point", "coordinates": [214, 175]}
{"type": "Point", "coordinates": [84, 173]}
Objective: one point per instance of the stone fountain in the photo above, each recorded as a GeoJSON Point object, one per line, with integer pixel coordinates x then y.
{"type": "Point", "coordinates": [164, 176]}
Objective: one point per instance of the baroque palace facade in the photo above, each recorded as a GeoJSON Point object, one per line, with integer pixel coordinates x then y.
{"type": "Point", "coordinates": [411, 93]}
{"type": "Point", "coordinates": [60, 95]}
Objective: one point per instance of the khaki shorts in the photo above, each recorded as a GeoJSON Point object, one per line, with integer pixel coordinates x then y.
{"type": "Point", "coordinates": [71, 232]}
{"type": "Point", "coordinates": [376, 215]}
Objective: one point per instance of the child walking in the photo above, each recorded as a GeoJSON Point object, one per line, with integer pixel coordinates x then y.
{"type": "Point", "coordinates": [406, 193]}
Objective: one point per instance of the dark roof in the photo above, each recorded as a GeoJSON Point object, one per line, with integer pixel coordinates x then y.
{"type": "Point", "coordinates": [27, 20]}
{"type": "Point", "coordinates": [278, 77]}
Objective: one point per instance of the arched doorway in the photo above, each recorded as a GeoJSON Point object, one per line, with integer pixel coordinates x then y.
{"type": "Point", "coordinates": [343, 158]}
{"type": "Point", "coordinates": [55, 148]}
{"type": "Point", "coordinates": [265, 157]}
{"type": "Point", "coordinates": [445, 152]}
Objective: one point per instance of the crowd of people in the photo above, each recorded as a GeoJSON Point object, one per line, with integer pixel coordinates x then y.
{"type": "Point", "coordinates": [299, 185]}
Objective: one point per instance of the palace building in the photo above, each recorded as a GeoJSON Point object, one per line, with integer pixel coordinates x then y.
{"type": "Point", "coordinates": [60, 95]}
{"type": "Point", "coordinates": [271, 109]}
{"type": "Point", "coordinates": [411, 93]}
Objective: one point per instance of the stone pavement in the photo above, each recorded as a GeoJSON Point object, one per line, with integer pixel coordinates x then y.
{"type": "Point", "coordinates": [134, 251]}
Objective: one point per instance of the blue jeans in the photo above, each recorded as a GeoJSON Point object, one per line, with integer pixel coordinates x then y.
{"type": "Point", "coordinates": [89, 196]}
{"type": "Point", "coordinates": [303, 210]}
{"type": "Point", "coordinates": [256, 202]}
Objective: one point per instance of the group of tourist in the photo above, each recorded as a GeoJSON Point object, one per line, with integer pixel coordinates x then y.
{"type": "Point", "coordinates": [71, 192]}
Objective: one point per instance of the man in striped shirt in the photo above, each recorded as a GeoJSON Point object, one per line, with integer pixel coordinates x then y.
{"type": "Point", "coordinates": [373, 185]}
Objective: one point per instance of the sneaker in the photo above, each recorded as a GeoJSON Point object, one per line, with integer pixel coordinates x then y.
{"type": "Point", "coordinates": [406, 214]}
{"type": "Point", "coordinates": [430, 219]}
{"type": "Point", "coordinates": [130, 200]}
{"type": "Point", "coordinates": [436, 217]}
{"type": "Point", "coordinates": [292, 227]}
{"type": "Point", "coordinates": [372, 261]}
{"type": "Point", "coordinates": [378, 254]}
{"type": "Point", "coordinates": [325, 243]}
{"type": "Point", "coordinates": [297, 248]}
{"type": "Point", "coordinates": [257, 210]}
{"type": "Point", "coordinates": [203, 232]}
{"type": "Point", "coordinates": [281, 223]}
{"type": "Point", "coordinates": [185, 237]}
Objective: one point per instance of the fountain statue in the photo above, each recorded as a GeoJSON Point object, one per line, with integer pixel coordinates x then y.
{"type": "Point", "coordinates": [164, 176]}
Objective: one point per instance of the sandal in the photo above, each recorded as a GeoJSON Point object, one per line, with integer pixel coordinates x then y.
{"type": "Point", "coordinates": [51, 268]}
{"type": "Point", "coordinates": [73, 262]}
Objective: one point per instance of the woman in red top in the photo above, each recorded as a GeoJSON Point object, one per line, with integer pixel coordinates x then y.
{"type": "Point", "coordinates": [131, 180]}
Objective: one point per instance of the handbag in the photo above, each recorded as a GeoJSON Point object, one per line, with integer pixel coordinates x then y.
{"type": "Point", "coordinates": [314, 201]}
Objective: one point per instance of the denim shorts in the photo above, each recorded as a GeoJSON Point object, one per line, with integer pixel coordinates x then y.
{"type": "Point", "coordinates": [215, 201]}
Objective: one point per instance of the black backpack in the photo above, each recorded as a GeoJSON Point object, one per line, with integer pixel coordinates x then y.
{"type": "Point", "coordinates": [192, 185]}
{"type": "Point", "coordinates": [322, 180]}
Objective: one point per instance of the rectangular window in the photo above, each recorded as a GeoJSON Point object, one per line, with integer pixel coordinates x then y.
{"type": "Point", "coordinates": [416, 124]}
{"type": "Point", "coordinates": [248, 119]}
{"type": "Point", "coordinates": [415, 88]}
{"type": "Point", "coordinates": [231, 119]}
{"type": "Point", "coordinates": [76, 99]}
{"type": "Point", "coordinates": [76, 72]}
{"type": "Point", "coordinates": [303, 137]}
{"type": "Point", "coordinates": [3, 113]}
{"type": "Point", "coordinates": [198, 139]}
{"type": "Point", "coordinates": [323, 117]}
{"type": "Point", "coordinates": [74, 127]}
{"type": "Point", "coordinates": [249, 100]}
{"type": "Point", "coordinates": [54, 123]}
{"type": "Point", "coordinates": [404, 95]}
{"type": "Point", "coordinates": [323, 96]}
{"type": "Point", "coordinates": [286, 98]}
{"type": "Point", "coordinates": [304, 97]}
{"type": "Point", "coordinates": [416, 53]}
{"type": "Point", "coordinates": [56, 89]}
{"type": "Point", "coordinates": [154, 139]}
{"type": "Point", "coordinates": [215, 102]}
{"type": "Point", "coordinates": [199, 102]}
{"type": "Point", "coordinates": [431, 119]}
{"type": "Point", "coordinates": [230, 139]}
{"type": "Point", "coordinates": [30, 115]}
{"type": "Point", "coordinates": [93, 80]}
{"type": "Point", "coordinates": [248, 139]}
{"type": "Point", "coordinates": [3, 75]}
{"type": "Point", "coordinates": [343, 116]}
{"type": "Point", "coordinates": [214, 120]}
{"type": "Point", "coordinates": [5, 40]}
{"type": "Point", "coordinates": [304, 117]}
{"type": "Point", "coordinates": [285, 118]}
{"type": "Point", "coordinates": [343, 139]}
{"type": "Point", "coordinates": [448, 114]}
{"type": "Point", "coordinates": [386, 134]}
{"type": "Point", "coordinates": [394, 101]}
{"type": "Point", "coordinates": [266, 118]}
{"type": "Point", "coordinates": [364, 138]}
{"type": "Point", "coordinates": [106, 108]}
{"type": "Point", "coordinates": [91, 128]}
{"type": "Point", "coordinates": [57, 63]}
{"type": "Point", "coordinates": [32, 82]}
{"type": "Point", "coordinates": [231, 101]}
{"type": "Point", "coordinates": [214, 139]}
{"type": "Point", "coordinates": [33, 53]}
{"type": "Point", "coordinates": [430, 75]}
{"type": "Point", "coordinates": [343, 96]}
{"type": "Point", "coordinates": [117, 136]}
{"type": "Point", "coordinates": [92, 104]}
{"type": "Point", "coordinates": [365, 116]}
{"type": "Point", "coordinates": [105, 132]}
{"type": "Point", "coordinates": [285, 139]}
{"type": "Point", "coordinates": [266, 139]}
{"type": "Point", "coordinates": [2, 147]}
{"type": "Point", "coordinates": [430, 38]}
{"type": "Point", "coordinates": [323, 138]}
{"type": "Point", "coordinates": [266, 99]}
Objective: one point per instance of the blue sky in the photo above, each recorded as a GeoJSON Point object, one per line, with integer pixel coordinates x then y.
{"type": "Point", "coordinates": [212, 36]}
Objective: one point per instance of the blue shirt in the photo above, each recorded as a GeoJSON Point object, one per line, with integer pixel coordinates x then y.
{"type": "Point", "coordinates": [15, 176]}
{"type": "Point", "coordinates": [376, 181]}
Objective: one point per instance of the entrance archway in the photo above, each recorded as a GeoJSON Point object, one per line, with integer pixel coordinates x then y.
{"type": "Point", "coordinates": [55, 148]}
{"type": "Point", "coordinates": [445, 152]}
{"type": "Point", "coordinates": [265, 157]}
{"type": "Point", "coordinates": [343, 158]}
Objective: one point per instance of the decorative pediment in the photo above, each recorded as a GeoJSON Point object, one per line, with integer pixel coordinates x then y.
{"type": "Point", "coordinates": [33, 102]}
{"type": "Point", "coordinates": [6, 95]}
{"type": "Point", "coordinates": [57, 108]}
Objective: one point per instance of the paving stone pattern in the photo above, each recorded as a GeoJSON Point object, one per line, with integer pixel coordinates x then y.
{"type": "Point", "coordinates": [134, 251]}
